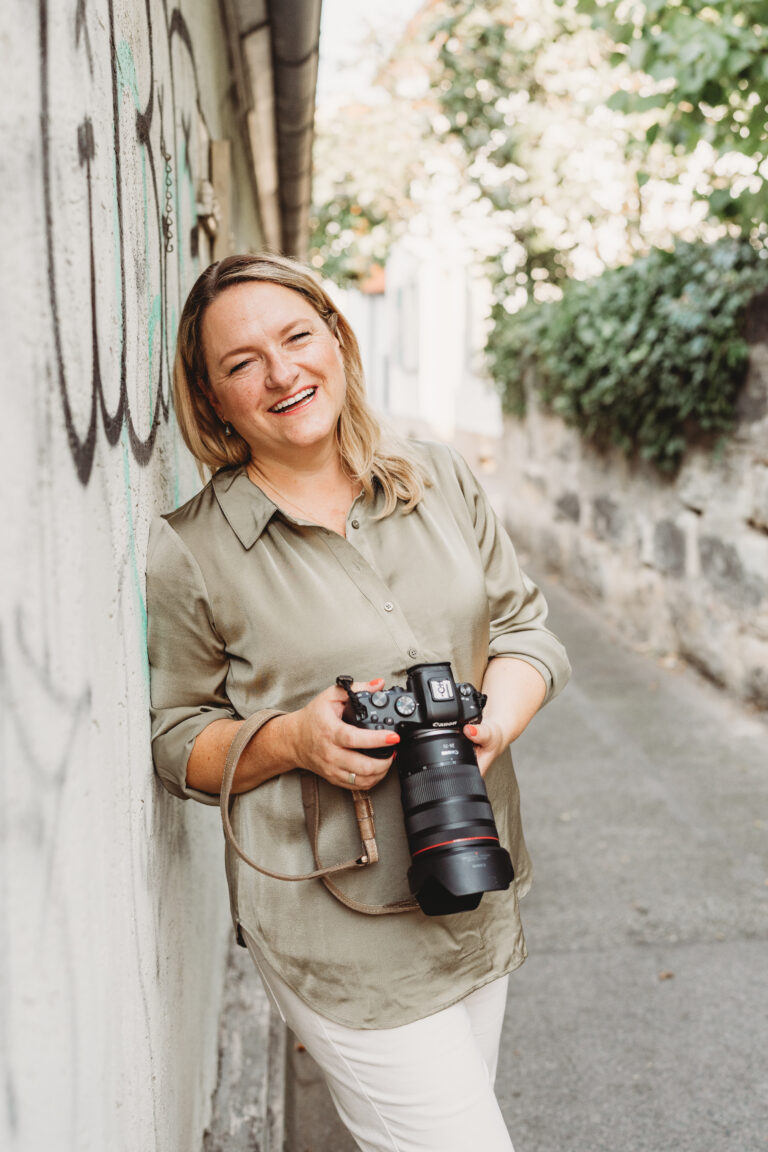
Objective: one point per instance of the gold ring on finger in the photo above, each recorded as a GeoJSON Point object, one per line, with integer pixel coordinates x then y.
{"type": "Point", "coordinates": [351, 779]}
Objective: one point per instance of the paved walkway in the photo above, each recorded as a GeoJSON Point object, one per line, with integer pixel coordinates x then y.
{"type": "Point", "coordinates": [639, 1022]}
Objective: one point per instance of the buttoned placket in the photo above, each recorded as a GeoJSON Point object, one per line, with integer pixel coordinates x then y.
{"type": "Point", "coordinates": [356, 560]}
{"type": "Point", "coordinates": [376, 592]}
{"type": "Point", "coordinates": [359, 568]}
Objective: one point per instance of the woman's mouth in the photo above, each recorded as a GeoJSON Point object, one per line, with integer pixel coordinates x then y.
{"type": "Point", "coordinates": [291, 403]}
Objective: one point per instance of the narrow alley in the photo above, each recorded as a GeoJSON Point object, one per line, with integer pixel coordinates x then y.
{"type": "Point", "coordinates": [639, 1021]}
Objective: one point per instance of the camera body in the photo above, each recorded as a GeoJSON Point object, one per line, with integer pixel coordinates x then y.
{"type": "Point", "coordinates": [452, 835]}
{"type": "Point", "coordinates": [432, 699]}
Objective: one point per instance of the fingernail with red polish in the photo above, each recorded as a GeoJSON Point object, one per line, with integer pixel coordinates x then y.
{"type": "Point", "coordinates": [471, 729]}
{"type": "Point", "coordinates": [392, 738]}
{"type": "Point", "coordinates": [376, 683]}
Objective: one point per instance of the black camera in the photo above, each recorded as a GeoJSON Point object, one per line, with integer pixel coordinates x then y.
{"type": "Point", "coordinates": [452, 836]}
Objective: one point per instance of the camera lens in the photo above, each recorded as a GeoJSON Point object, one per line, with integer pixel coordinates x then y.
{"type": "Point", "coordinates": [449, 823]}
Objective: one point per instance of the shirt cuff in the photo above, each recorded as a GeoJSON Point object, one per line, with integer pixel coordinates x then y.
{"type": "Point", "coordinates": [554, 668]}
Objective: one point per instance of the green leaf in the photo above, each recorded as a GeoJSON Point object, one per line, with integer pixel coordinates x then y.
{"type": "Point", "coordinates": [618, 101]}
{"type": "Point", "coordinates": [638, 54]}
{"type": "Point", "coordinates": [738, 61]}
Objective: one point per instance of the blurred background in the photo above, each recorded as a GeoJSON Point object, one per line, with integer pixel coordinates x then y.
{"type": "Point", "coordinates": [547, 222]}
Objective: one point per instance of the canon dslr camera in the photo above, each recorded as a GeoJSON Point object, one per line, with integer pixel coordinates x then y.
{"type": "Point", "coordinates": [452, 836]}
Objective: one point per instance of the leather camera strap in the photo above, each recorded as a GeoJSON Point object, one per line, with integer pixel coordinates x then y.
{"type": "Point", "coordinates": [310, 796]}
{"type": "Point", "coordinates": [247, 729]}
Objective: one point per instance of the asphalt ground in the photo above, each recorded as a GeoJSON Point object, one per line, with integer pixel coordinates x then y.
{"type": "Point", "coordinates": [639, 1021]}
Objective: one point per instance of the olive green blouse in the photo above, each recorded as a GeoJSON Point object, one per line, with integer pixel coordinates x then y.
{"type": "Point", "coordinates": [250, 609]}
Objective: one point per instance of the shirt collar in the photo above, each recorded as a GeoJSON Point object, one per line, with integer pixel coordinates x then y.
{"type": "Point", "coordinates": [247, 509]}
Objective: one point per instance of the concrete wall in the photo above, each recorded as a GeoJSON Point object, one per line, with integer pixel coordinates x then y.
{"type": "Point", "coordinates": [681, 567]}
{"type": "Point", "coordinates": [113, 909]}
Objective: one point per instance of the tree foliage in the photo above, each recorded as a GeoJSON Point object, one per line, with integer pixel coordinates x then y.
{"type": "Point", "coordinates": [581, 180]}
{"type": "Point", "coordinates": [347, 236]}
{"type": "Point", "coordinates": [707, 63]}
{"type": "Point", "coordinates": [506, 95]}
{"type": "Point", "coordinates": [365, 161]}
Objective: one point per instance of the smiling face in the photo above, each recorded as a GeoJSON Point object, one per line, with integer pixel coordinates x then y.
{"type": "Point", "coordinates": [275, 371]}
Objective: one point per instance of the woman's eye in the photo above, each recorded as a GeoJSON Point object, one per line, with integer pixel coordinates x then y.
{"type": "Point", "coordinates": [300, 335]}
{"type": "Point", "coordinates": [237, 367]}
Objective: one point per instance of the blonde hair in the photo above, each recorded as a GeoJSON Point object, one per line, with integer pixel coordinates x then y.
{"type": "Point", "coordinates": [359, 435]}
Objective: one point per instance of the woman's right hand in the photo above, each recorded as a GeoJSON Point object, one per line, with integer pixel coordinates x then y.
{"type": "Point", "coordinates": [323, 743]}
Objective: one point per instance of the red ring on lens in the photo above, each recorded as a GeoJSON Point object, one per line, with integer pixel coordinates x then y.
{"type": "Point", "coordinates": [461, 840]}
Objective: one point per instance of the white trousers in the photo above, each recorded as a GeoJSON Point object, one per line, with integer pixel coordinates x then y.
{"type": "Point", "coordinates": [423, 1087]}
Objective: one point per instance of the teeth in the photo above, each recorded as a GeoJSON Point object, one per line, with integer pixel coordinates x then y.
{"type": "Point", "coordinates": [293, 400]}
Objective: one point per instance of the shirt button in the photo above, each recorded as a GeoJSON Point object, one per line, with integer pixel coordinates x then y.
{"type": "Point", "coordinates": [388, 606]}
{"type": "Point", "coordinates": [412, 653]}
{"type": "Point", "coordinates": [355, 523]}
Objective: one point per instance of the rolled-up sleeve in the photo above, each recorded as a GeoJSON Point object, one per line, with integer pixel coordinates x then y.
{"type": "Point", "coordinates": [517, 607]}
{"type": "Point", "coordinates": [187, 659]}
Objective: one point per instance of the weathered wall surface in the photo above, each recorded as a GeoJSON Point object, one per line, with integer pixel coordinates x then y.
{"type": "Point", "coordinates": [113, 910]}
{"type": "Point", "coordinates": [680, 566]}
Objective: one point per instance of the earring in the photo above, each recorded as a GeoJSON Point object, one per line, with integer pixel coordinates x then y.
{"type": "Point", "coordinates": [227, 429]}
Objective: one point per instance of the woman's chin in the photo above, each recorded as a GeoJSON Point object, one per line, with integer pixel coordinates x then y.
{"type": "Point", "coordinates": [297, 438]}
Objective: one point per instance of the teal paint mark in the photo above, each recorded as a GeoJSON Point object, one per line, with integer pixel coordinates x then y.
{"type": "Point", "coordinates": [126, 69]}
{"type": "Point", "coordinates": [174, 428]}
{"type": "Point", "coordinates": [117, 255]}
{"type": "Point", "coordinates": [174, 325]}
{"type": "Point", "coordinates": [177, 210]}
{"type": "Point", "coordinates": [155, 318]}
{"type": "Point", "coordinates": [134, 561]}
{"type": "Point", "coordinates": [191, 195]}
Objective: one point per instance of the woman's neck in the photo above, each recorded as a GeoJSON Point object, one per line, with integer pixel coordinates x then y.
{"type": "Point", "coordinates": [306, 473]}
{"type": "Point", "coordinates": [320, 492]}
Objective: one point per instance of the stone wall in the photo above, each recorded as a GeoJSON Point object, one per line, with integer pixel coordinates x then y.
{"type": "Point", "coordinates": [113, 908]}
{"type": "Point", "coordinates": [680, 566]}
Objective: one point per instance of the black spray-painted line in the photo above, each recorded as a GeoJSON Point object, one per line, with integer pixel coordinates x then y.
{"type": "Point", "coordinates": [83, 448]}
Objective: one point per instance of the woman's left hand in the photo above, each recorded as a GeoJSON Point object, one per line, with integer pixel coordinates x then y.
{"type": "Point", "coordinates": [489, 742]}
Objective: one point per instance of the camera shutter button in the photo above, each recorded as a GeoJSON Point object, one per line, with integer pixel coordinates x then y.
{"type": "Point", "coordinates": [379, 699]}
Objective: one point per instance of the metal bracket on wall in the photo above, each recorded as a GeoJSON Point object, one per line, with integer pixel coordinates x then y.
{"type": "Point", "coordinates": [207, 207]}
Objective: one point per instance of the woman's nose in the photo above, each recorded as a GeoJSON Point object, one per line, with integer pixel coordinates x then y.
{"type": "Point", "coordinates": [280, 370]}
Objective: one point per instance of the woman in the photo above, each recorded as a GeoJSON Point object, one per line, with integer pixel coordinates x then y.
{"type": "Point", "coordinates": [318, 549]}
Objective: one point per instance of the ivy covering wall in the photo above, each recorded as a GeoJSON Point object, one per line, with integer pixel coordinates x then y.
{"type": "Point", "coordinates": [648, 357]}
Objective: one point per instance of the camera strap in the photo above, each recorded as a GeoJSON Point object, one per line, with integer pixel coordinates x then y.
{"type": "Point", "coordinates": [310, 796]}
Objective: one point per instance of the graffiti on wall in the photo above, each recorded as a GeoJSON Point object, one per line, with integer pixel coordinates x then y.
{"type": "Point", "coordinates": [122, 148]}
